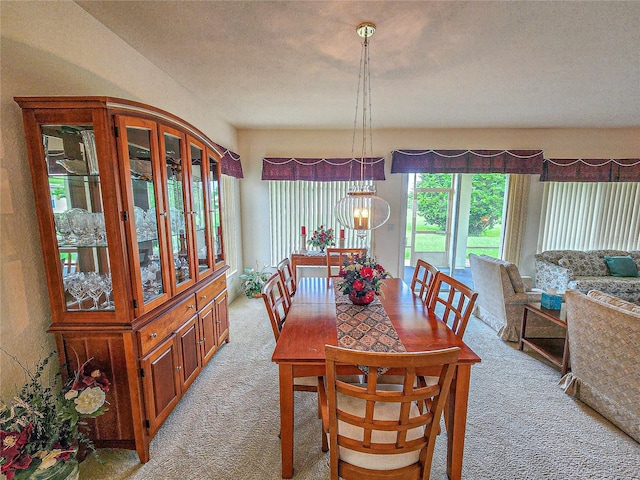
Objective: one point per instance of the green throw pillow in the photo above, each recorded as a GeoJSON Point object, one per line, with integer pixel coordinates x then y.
{"type": "Point", "coordinates": [621, 266]}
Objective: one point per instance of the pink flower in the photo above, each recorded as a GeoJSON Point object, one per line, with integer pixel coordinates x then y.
{"type": "Point", "coordinates": [358, 285]}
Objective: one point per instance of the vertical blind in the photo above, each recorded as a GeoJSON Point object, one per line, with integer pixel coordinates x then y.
{"type": "Point", "coordinates": [590, 216]}
{"type": "Point", "coordinates": [293, 204]}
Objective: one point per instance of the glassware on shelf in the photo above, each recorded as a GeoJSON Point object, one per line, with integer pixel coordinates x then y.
{"type": "Point", "coordinates": [76, 285]}
{"type": "Point", "coordinates": [107, 286]}
{"type": "Point", "coordinates": [94, 287]}
{"type": "Point", "coordinates": [64, 233]}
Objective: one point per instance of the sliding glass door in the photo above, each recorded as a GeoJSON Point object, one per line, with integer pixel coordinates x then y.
{"type": "Point", "coordinates": [450, 216]}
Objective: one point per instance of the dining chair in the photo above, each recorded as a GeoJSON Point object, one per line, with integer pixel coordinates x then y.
{"type": "Point", "coordinates": [452, 301]}
{"type": "Point", "coordinates": [277, 301]}
{"type": "Point", "coordinates": [380, 431]}
{"type": "Point", "coordinates": [286, 273]}
{"type": "Point", "coordinates": [423, 279]}
{"type": "Point", "coordinates": [337, 256]}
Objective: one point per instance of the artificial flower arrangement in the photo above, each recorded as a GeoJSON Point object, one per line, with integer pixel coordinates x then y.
{"type": "Point", "coordinates": [362, 279]}
{"type": "Point", "coordinates": [40, 428]}
{"type": "Point", "coordinates": [322, 238]}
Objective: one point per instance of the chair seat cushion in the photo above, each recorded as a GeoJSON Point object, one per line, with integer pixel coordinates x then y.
{"type": "Point", "coordinates": [383, 410]}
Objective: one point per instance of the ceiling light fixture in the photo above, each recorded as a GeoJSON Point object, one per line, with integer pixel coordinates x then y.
{"type": "Point", "coordinates": [361, 210]}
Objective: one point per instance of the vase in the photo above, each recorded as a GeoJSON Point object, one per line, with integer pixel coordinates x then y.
{"type": "Point", "coordinates": [364, 300]}
{"type": "Point", "coordinates": [65, 470]}
{"type": "Point", "coordinates": [322, 249]}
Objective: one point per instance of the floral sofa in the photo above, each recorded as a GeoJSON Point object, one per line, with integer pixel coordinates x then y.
{"type": "Point", "coordinates": [584, 271]}
{"type": "Point", "coordinates": [502, 294]}
{"type": "Point", "coordinates": [604, 340]}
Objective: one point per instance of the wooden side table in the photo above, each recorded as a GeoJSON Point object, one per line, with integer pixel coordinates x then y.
{"type": "Point", "coordinates": [306, 258]}
{"type": "Point", "coordinates": [556, 350]}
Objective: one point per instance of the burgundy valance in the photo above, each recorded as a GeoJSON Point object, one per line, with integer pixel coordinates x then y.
{"type": "Point", "coordinates": [322, 169]}
{"type": "Point", "coordinates": [467, 161]}
{"type": "Point", "coordinates": [230, 162]}
{"type": "Point", "coordinates": [591, 170]}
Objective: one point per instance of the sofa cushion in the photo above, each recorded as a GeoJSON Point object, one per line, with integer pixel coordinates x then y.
{"type": "Point", "coordinates": [584, 263]}
{"type": "Point", "coordinates": [614, 301]}
{"type": "Point", "coordinates": [621, 266]}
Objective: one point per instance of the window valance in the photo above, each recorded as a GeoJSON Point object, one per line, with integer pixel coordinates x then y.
{"type": "Point", "coordinates": [230, 162]}
{"type": "Point", "coordinates": [591, 170]}
{"type": "Point", "coordinates": [467, 161]}
{"type": "Point", "coordinates": [322, 169]}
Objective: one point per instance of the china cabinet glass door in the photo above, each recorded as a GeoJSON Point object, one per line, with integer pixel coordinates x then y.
{"type": "Point", "coordinates": [213, 207]}
{"type": "Point", "coordinates": [146, 214]}
{"type": "Point", "coordinates": [199, 215]}
{"type": "Point", "coordinates": [176, 184]}
{"type": "Point", "coordinates": [78, 214]}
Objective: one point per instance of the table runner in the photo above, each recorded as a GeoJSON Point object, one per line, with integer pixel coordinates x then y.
{"type": "Point", "coordinates": [366, 328]}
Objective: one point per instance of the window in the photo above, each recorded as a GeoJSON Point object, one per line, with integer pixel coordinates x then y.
{"type": "Point", "coordinates": [297, 203]}
{"type": "Point", "coordinates": [589, 216]}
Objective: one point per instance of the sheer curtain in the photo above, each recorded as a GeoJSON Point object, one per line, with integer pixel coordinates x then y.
{"type": "Point", "coordinates": [229, 224]}
{"type": "Point", "coordinates": [588, 216]}
{"type": "Point", "coordinates": [515, 217]}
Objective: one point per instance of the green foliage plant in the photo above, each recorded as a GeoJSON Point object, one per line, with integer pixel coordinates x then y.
{"type": "Point", "coordinates": [253, 279]}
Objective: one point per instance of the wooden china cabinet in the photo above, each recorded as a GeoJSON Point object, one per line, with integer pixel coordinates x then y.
{"type": "Point", "coordinates": [128, 203]}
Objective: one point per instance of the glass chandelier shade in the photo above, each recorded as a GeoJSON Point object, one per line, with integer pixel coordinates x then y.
{"type": "Point", "coordinates": [361, 210]}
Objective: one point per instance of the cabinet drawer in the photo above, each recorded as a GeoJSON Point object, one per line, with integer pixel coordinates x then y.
{"type": "Point", "coordinates": [155, 332]}
{"type": "Point", "coordinates": [207, 293]}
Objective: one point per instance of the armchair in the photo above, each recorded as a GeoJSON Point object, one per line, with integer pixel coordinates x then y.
{"type": "Point", "coordinates": [502, 294]}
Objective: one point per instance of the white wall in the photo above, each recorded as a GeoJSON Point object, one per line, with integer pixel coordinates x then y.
{"type": "Point", "coordinates": [388, 240]}
{"type": "Point", "coordinates": [56, 48]}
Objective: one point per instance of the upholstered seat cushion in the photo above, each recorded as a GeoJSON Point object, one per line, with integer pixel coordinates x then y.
{"type": "Point", "coordinates": [382, 411]}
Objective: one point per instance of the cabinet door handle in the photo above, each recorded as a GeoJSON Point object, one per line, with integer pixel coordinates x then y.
{"type": "Point", "coordinates": [163, 214]}
{"type": "Point", "coordinates": [179, 367]}
{"type": "Point", "coordinates": [203, 297]}
{"type": "Point", "coordinates": [154, 335]}
{"type": "Point", "coordinates": [191, 307]}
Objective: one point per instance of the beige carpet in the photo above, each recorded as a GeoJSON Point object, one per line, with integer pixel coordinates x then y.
{"type": "Point", "coordinates": [520, 423]}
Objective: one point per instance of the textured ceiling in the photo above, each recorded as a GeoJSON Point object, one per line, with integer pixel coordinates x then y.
{"type": "Point", "coordinates": [294, 64]}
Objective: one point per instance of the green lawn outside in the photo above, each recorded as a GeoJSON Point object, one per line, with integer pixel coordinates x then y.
{"type": "Point", "coordinates": [488, 243]}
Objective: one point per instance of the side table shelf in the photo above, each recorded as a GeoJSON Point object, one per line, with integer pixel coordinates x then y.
{"type": "Point", "coordinates": [556, 350]}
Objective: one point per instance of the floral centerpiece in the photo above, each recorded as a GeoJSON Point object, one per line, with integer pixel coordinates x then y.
{"type": "Point", "coordinates": [40, 427]}
{"type": "Point", "coordinates": [322, 238]}
{"type": "Point", "coordinates": [362, 279]}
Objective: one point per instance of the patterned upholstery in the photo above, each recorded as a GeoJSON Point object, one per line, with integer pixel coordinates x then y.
{"type": "Point", "coordinates": [584, 271]}
{"type": "Point", "coordinates": [501, 299]}
{"type": "Point", "coordinates": [604, 339]}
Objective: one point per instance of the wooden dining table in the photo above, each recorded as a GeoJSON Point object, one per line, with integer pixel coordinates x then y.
{"type": "Point", "coordinates": [311, 324]}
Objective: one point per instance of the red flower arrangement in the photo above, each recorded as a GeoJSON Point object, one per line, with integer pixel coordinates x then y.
{"type": "Point", "coordinates": [362, 279]}
{"type": "Point", "coordinates": [322, 238]}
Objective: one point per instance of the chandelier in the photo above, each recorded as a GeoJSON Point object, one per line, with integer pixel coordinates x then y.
{"type": "Point", "coordinates": [361, 210]}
